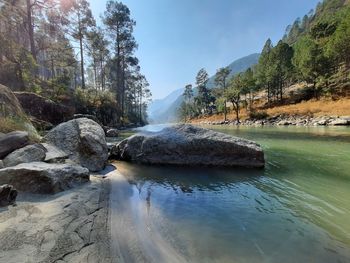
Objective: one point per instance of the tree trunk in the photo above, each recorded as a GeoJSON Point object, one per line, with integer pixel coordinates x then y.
{"type": "Point", "coordinates": [81, 54]}
{"type": "Point", "coordinates": [225, 110]}
{"type": "Point", "coordinates": [31, 29]}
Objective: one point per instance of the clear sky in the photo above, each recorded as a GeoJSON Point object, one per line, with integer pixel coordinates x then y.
{"type": "Point", "coordinates": [178, 37]}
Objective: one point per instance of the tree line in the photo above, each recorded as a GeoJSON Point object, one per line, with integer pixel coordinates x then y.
{"type": "Point", "coordinates": [314, 51]}
{"type": "Point", "coordinates": [55, 48]}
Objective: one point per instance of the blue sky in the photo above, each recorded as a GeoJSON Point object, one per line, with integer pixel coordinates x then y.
{"type": "Point", "coordinates": [178, 37]}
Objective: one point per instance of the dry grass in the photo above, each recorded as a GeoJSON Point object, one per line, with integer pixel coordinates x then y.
{"type": "Point", "coordinates": [10, 124]}
{"type": "Point", "coordinates": [315, 108]}
{"type": "Point", "coordinates": [323, 107]}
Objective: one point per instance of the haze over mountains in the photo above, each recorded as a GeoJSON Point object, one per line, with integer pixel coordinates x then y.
{"type": "Point", "coordinates": [165, 110]}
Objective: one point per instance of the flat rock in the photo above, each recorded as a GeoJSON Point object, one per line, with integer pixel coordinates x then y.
{"type": "Point", "coordinates": [12, 141]}
{"type": "Point", "coordinates": [189, 145]}
{"type": "Point", "coordinates": [43, 178]}
{"type": "Point", "coordinates": [54, 154]}
{"type": "Point", "coordinates": [339, 122]}
{"type": "Point", "coordinates": [83, 140]}
{"type": "Point", "coordinates": [27, 154]}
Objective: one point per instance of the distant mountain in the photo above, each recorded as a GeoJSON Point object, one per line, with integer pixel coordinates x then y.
{"type": "Point", "coordinates": [166, 110]}
{"type": "Point", "coordinates": [159, 106]}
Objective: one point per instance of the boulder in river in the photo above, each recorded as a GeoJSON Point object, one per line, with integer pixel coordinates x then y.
{"type": "Point", "coordinates": [27, 154]}
{"type": "Point", "coordinates": [189, 145]}
{"type": "Point", "coordinates": [12, 141]}
{"type": "Point", "coordinates": [83, 140]}
{"type": "Point", "coordinates": [43, 178]}
{"type": "Point", "coordinates": [7, 195]}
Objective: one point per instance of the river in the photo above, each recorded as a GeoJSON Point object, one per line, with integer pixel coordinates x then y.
{"type": "Point", "coordinates": [295, 210]}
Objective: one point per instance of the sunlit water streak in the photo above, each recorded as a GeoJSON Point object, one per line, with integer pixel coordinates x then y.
{"type": "Point", "coordinates": [296, 210]}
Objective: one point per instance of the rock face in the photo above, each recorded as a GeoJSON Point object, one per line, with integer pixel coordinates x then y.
{"type": "Point", "coordinates": [189, 145]}
{"type": "Point", "coordinates": [43, 109]}
{"type": "Point", "coordinates": [7, 195]}
{"type": "Point", "coordinates": [43, 178]}
{"type": "Point", "coordinates": [28, 154]}
{"type": "Point", "coordinates": [12, 141]}
{"type": "Point", "coordinates": [83, 140]}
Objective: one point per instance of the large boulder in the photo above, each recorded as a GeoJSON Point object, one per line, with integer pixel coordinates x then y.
{"type": "Point", "coordinates": [12, 116]}
{"type": "Point", "coordinates": [12, 141]}
{"type": "Point", "coordinates": [44, 110]}
{"type": "Point", "coordinates": [28, 154]}
{"type": "Point", "coordinates": [83, 140]}
{"type": "Point", "coordinates": [189, 145]}
{"type": "Point", "coordinates": [44, 178]}
{"type": "Point", "coordinates": [7, 195]}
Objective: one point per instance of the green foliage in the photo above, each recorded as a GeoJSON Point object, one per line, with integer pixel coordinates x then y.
{"type": "Point", "coordinates": [204, 100]}
{"type": "Point", "coordinates": [101, 104]}
{"type": "Point", "coordinates": [339, 45]}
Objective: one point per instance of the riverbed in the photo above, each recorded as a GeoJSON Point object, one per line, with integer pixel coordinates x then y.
{"type": "Point", "coordinates": [295, 210]}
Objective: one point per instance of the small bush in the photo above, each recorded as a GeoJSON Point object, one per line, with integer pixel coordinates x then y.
{"type": "Point", "coordinates": [258, 115]}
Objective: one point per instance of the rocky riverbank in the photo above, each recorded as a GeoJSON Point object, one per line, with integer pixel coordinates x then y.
{"type": "Point", "coordinates": [281, 120]}
{"type": "Point", "coordinates": [70, 226]}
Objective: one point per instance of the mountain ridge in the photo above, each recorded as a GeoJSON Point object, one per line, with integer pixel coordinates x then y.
{"type": "Point", "coordinates": [161, 111]}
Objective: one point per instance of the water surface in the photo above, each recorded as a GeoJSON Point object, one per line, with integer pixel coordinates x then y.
{"type": "Point", "coordinates": [296, 210]}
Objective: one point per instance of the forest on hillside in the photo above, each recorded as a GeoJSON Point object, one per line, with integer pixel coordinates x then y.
{"type": "Point", "coordinates": [314, 53]}
{"type": "Point", "coordinates": [57, 49]}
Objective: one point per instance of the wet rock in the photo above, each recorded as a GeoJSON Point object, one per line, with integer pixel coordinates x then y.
{"type": "Point", "coordinates": [83, 140]}
{"type": "Point", "coordinates": [284, 123]}
{"type": "Point", "coordinates": [189, 145]}
{"type": "Point", "coordinates": [12, 141]}
{"type": "Point", "coordinates": [27, 154]}
{"type": "Point", "coordinates": [44, 178]}
{"type": "Point", "coordinates": [112, 133]}
{"type": "Point", "coordinates": [1, 164]}
{"type": "Point", "coordinates": [8, 195]}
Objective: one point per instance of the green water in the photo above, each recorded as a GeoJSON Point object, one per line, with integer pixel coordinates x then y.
{"type": "Point", "coordinates": [296, 210]}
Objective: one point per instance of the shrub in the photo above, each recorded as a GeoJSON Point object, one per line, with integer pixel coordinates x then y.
{"type": "Point", "coordinates": [258, 115]}
{"type": "Point", "coordinates": [101, 104]}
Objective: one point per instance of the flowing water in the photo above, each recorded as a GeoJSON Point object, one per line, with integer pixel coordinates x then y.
{"type": "Point", "coordinates": [295, 210]}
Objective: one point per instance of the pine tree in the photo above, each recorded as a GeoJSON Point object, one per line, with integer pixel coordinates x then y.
{"type": "Point", "coordinates": [121, 25]}
{"type": "Point", "coordinates": [221, 79]}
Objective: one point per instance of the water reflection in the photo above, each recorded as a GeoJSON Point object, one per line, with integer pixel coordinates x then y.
{"type": "Point", "coordinates": [296, 210]}
{"type": "Point", "coordinates": [188, 179]}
